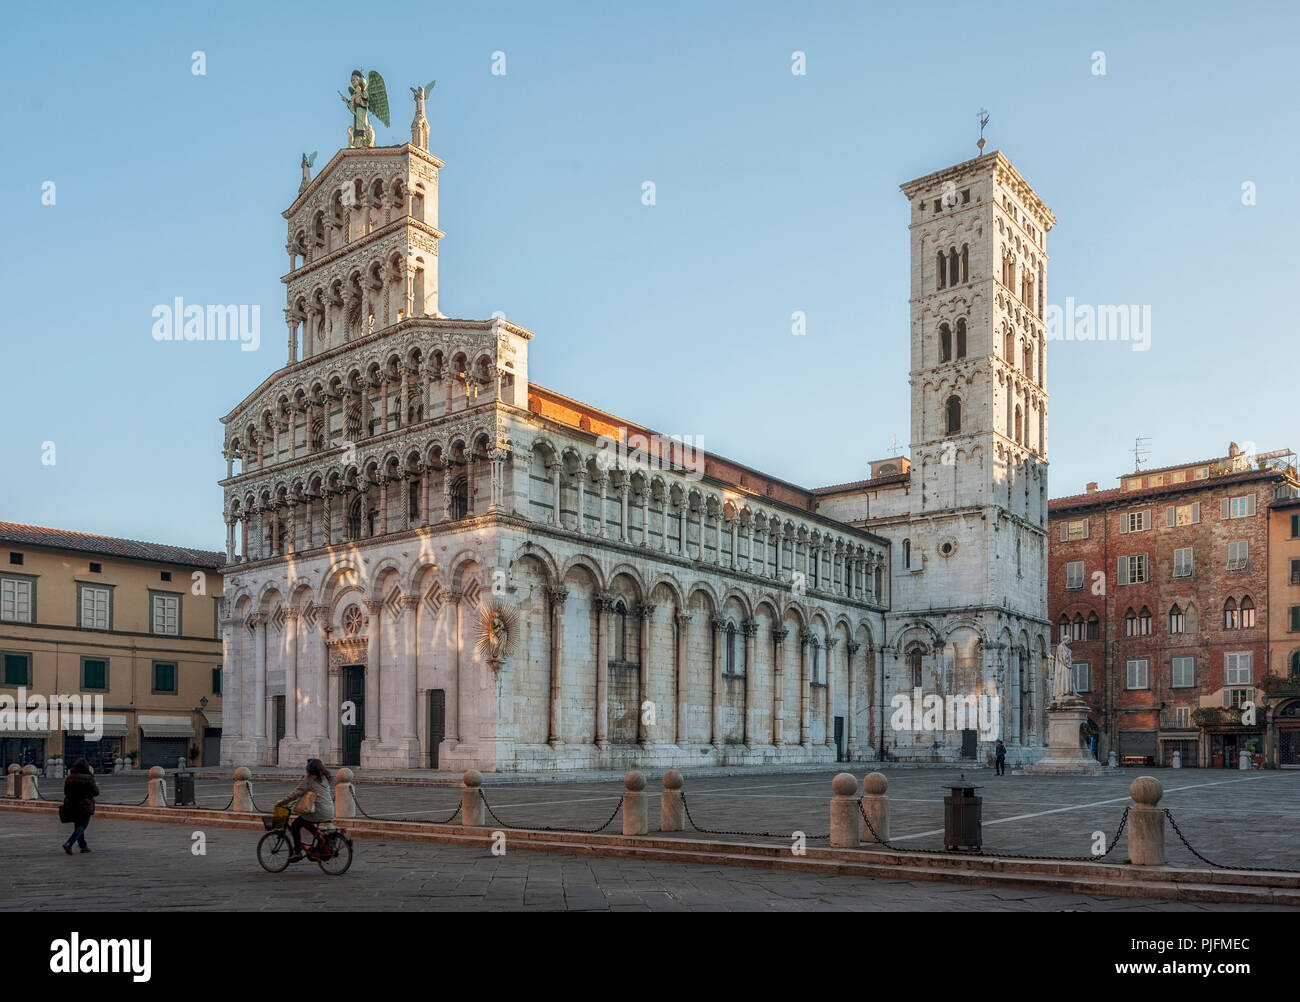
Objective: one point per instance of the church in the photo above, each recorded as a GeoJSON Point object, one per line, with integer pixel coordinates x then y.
{"type": "Point", "coordinates": [434, 563]}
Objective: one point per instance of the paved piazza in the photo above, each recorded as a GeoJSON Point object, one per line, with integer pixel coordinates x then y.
{"type": "Point", "coordinates": [1234, 818]}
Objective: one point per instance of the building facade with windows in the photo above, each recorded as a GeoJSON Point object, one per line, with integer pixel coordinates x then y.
{"type": "Point", "coordinates": [132, 623]}
{"type": "Point", "coordinates": [1282, 684]}
{"type": "Point", "coordinates": [434, 562]}
{"type": "Point", "coordinates": [1163, 587]}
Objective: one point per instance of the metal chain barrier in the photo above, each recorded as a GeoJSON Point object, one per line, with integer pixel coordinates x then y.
{"type": "Point", "coordinates": [1219, 866]}
{"type": "Point", "coordinates": [1123, 821]}
{"type": "Point", "coordinates": [713, 831]}
{"type": "Point", "coordinates": [552, 828]}
{"type": "Point", "coordinates": [415, 820]}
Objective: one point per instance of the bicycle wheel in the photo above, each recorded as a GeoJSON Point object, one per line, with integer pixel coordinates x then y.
{"type": "Point", "coordinates": [273, 851]}
{"type": "Point", "coordinates": [341, 855]}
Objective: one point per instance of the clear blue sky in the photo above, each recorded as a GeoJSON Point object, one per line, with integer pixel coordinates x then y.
{"type": "Point", "coordinates": [775, 193]}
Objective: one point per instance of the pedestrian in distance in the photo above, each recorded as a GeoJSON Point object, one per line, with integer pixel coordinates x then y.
{"type": "Point", "coordinates": [79, 793]}
{"type": "Point", "coordinates": [1000, 757]}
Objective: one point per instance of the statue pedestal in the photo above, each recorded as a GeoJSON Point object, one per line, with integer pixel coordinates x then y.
{"type": "Point", "coordinates": [1064, 755]}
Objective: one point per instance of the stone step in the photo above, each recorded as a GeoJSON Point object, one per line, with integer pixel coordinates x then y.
{"type": "Point", "coordinates": [1102, 879]}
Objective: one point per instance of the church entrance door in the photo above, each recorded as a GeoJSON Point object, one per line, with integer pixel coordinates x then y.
{"type": "Point", "coordinates": [435, 724]}
{"type": "Point", "coordinates": [354, 723]}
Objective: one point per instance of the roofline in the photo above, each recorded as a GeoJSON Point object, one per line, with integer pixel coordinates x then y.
{"type": "Point", "coordinates": [1120, 496]}
{"type": "Point", "coordinates": [216, 559]}
{"type": "Point", "coordinates": [360, 151]}
{"type": "Point", "coordinates": [993, 158]}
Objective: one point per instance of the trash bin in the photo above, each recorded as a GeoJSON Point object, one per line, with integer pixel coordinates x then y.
{"type": "Point", "coordinates": [184, 790]}
{"type": "Point", "coordinates": [962, 813]}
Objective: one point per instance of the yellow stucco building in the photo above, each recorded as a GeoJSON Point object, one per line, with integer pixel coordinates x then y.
{"type": "Point", "coordinates": [133, 623]}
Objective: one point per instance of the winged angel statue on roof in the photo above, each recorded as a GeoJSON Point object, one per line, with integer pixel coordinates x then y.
{"type": "Point", "coordinates": [366, 93]}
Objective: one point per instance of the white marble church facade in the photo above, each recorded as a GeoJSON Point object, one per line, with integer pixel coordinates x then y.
{"type": "Point", "coordinates": [400, 479]}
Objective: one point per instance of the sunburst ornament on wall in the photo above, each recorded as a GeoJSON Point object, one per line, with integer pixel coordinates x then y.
{"type": "Point", "coordinates": [497, 628]}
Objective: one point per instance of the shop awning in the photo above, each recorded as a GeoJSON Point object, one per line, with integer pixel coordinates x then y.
{"type": "Point", "coordinates": [24, 734]}
{"type": "Point", "coordinates": [166, 727]}
{"type": "Point", "coordinates": [214, 718]}
{"type": "Point", "coordinates": [115, 725]}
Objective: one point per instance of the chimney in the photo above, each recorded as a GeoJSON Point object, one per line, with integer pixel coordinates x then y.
{"type": "Point", "coordinates": [1092, 487]}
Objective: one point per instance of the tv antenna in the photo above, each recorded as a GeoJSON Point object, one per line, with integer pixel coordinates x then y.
{"type": "Point", "coordinates": [1140, 451]}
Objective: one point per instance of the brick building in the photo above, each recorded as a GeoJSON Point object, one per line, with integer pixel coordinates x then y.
{"type": "Point", "coordinates": [1163, 588]}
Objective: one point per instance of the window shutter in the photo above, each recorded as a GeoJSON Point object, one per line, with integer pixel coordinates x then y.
{"type": "Point", "coordinates": [1196, 512]}
{"type": "Point", "coordinates": [1295, 618]}
{"type": "Point", "coordinates": [1250, 504]}
{"type": "Point", "coordinates": [1086, 523]}
{"type": "Point", "coordinates": [1169, 516]}
{"type": "Point", "coordinates": [1065, 531]}
{"type": "Point", "coordinates": [1223, 508]}
{"type": "Point", "coordinates": [1123, 522]}
{"type": "Point", "coordinates": [1121, 574]}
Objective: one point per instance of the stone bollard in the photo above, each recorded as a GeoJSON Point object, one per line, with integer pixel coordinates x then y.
{"type": "Point", "coordinates": [243, 799]}
{"type": "Point", "coordinates": [345, 798]}
{"type": "Point", "coordinates": [1112, 760]}
{"type": "Point", "coordinates": [51, 765]}
{"type": "Point", "coordinates": [473, 812]}
{"type": "Point", "coordinates": [157, 787]}
{"type": "Point", "coordinates": [875, 805]}
{"type": "Point", "coordinates": [14, 782]}
{"type": "Point", "coordinates": [1178, 760]}
{"type": "Point", "coordinates": [846, 821]}
{"type": "Point", "coordinates": [1244, 761]}
{"type": "Point", "coordinates": [30, 792]}
{"type": "Point", "coordinates": [634, 813]}
{"type": "Point", "coordinates": [117, 765]}
{"type": "Point", "coordinates": [1146, 823]}
{"type": "Point", "coordinates": [126, 764]}
{"type": "Point", "coordinates": [671, 817]}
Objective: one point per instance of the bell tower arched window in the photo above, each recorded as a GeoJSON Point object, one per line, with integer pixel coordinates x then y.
{"type": "Point", "coordinates": [952, 415]}
{"type": "Point", "coordinates": [961, 338]}
{"type": "Point", "coordinates": [945, 343]}
{"type": "Point", "coordinates": [941, 269]}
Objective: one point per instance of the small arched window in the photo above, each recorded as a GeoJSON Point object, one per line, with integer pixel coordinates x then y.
{"type": "Point", "coordinates": [945, 343]}
{"type": "Point", "coordinates": [1230, 620]}
{"type": "Point", "coordinates": [354, 519]}
{"type": "Point", "coordinates": [953, 273]}
{"type": "Point", "coordinates": [1029, 360]}
{"type": "Point", "coordinates": [1094, 626]}
{"type": "Point", "coordinates": [907, 553]}
{"type": "Point", "coordinates": [1077, 627]}
{"type": "Point", "coordinates": [1009, 348]}
{"type": "Point", "coordinates": [965, 262]}
{"type": "Point", "coordinates": [1144, 622]}
{"type": "Point", "coordinates": [1177, 621]}
{"type": "Point", "coordinates": [620, 631]}
{"type": "Point", "coordinates": [1130, 623]}
{"type": "Point", "coordinates": [952, 415]}
{"type": "Point", "coordinates": [459, 497]}
{"type": "Point", "coordinates": [1064, 627]}
{"type": "Point", "coordinates": [1019, 422]}
{"type": "Point", "coordinates": [1247, 613]}
{"type": "Point", "coordinates": [941, 269]}
{"type": "Point", "coordinates": [961, 338]}
{"type": "Point", "coordinates": [914, 666]}
{"type": "Point", "coordinates": [731, 648]}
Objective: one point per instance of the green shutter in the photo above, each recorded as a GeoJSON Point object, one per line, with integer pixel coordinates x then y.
{"type": "Point", "coordinates": [15, 669]}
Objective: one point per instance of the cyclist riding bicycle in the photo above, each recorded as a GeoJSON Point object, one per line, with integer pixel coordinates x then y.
{"type": "Point", "coordinates": [315, 804]}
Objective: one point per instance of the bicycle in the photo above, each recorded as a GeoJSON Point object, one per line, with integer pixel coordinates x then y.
{"type": "Point", "coordinates": [330, 847]}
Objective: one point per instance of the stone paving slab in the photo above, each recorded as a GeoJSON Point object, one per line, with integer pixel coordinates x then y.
{"type": "Point", "coordinates": [1232, 817]}
{"type": "Point", "coordinates": [149, 866]}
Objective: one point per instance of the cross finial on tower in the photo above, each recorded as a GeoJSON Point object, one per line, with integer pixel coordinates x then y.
{"type": "Point", "coordinates": [984, 120]}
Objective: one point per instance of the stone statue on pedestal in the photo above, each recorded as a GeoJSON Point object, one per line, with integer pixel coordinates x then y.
{"type": "Point", "coordinates": [1063, 674]}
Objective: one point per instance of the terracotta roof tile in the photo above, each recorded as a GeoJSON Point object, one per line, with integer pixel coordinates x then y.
{"type": "Point", "coordinates": [86, 542]}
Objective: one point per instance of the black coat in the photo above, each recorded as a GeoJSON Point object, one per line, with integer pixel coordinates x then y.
{"type": "Point", "coordinates": [79, 793]}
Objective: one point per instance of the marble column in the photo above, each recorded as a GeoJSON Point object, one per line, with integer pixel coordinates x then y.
{"type": "Point", "coordinates": [373, 656]}
{"type": "Point", "coordinates": [646, 612]}
{"type": "Point", "coordinates": [683, 643]}
{"type": "Point", "coordinates": [557, 598]}
{"type": "Point", "coordinates": [291, 675]}
{"type": "Point", "coordinates": [850, 723]}
{"type": "Point", "coordinates": [750, 629]}
{"type": "Point", "coordinates": [805, 641]}
{"type": "Point", "coordinates": [602, 605]}
{"type": "Point", "coordinates": [831, 643]}
{"type": "Point", "coordinates": [717, 623]}
{"type": "Point", "coordinates": [778, 686]}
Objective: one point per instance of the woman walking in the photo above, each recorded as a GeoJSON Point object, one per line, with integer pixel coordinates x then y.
{"type": "Point", "coordinates": [79, 793]}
